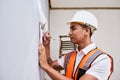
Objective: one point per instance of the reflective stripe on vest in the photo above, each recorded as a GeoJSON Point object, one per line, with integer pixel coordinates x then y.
{"type": "Point", "coordinates": [84, 64]}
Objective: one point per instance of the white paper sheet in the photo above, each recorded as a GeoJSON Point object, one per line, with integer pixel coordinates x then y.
{"type": "Point", "coordinates": [19, 22]}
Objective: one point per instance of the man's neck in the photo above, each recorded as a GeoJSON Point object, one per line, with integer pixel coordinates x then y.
{"type": "Point", "coordinates": [83, 45]}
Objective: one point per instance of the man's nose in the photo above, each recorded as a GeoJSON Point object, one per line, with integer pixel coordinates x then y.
{"type": "Point", "coordinates": [70, 32]}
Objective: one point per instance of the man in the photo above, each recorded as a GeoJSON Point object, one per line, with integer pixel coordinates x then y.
{"type": "Point", "coordinates": [87, 62]}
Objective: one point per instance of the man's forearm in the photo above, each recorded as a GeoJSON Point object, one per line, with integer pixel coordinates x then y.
{"type": "Point", "coordinates": [49, 60]}
{"type": "Point", "coordinates": [54, 63]}
{"type": "Point", "coordinates": [55, 75]}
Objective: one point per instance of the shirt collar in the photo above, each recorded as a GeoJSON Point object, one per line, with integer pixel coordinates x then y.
{"type": "Point", "coordinates": [87, 48]}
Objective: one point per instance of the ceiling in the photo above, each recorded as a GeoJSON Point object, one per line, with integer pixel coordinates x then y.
{"type": "Point", "coordinates": [84, 4]}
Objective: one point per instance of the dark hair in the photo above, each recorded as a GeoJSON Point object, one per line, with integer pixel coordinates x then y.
{"type": "Point", "coordinates": [87, 26]}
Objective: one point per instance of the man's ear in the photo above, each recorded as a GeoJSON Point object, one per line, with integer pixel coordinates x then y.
{"type": "Point", "coordinates": [87, 31]}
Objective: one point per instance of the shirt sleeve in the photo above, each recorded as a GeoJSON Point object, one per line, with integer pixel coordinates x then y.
{"type": "Point", "coordinates": [100, 68]}
{"type": "Point", "coordinates": [61, 61]}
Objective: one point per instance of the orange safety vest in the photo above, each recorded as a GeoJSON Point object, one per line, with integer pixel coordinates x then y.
{"type": "Point", "coordinates": [84, 64]}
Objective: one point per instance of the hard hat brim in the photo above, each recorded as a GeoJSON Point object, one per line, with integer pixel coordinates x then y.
{"type": "Point", "coordinates": [81, 23]}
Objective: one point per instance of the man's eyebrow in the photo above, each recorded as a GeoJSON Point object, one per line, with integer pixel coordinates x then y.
{"type": "Point", "coordinates": [72, 26]}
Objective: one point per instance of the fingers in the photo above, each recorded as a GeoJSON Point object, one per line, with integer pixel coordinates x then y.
{"type": "Point", "coordinates": [47, 35]}
{"type": "Point", "coordinates": [41, 48]}
{"type": "Point", "coordinates": [46, 39]}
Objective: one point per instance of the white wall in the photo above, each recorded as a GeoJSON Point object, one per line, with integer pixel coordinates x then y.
{"type": "Point", "coordinates": [45, 8]}
{"type": "Point", "coordinates": [85, 3]}
{"type": "Point", "coordinates": [19, 39]}
{"type": "Point", "coordinates": [107, 37]}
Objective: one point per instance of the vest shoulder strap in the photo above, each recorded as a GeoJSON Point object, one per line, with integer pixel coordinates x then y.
{"type": "Point", "coordinates": [112, 68]}
{"type": "Point", "coordinates": [89, 58]}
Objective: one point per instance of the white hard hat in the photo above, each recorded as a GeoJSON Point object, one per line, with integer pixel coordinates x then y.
{"type": "Point", "coordinates": [85, 17]}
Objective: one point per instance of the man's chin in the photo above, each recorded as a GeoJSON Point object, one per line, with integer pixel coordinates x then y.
{"type": "Point", "coordinates": [72, 41]}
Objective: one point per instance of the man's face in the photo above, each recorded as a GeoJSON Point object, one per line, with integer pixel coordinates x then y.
{"type": "Point", "coordinates": [77, 33]}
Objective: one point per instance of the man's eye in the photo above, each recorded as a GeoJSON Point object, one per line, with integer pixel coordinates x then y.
{"type": "Point", "coordinates": [72, 27]}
